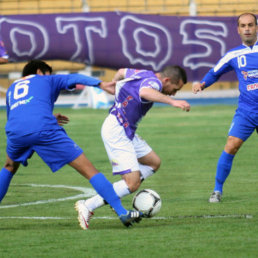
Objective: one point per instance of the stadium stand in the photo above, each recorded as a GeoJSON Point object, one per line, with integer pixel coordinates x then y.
{"type": "Point", "coordinates": [39, 6]}
{"type": "Point", "coordinates": [176, 7]}
{"type": "Point", "coordinates": [226, 7]}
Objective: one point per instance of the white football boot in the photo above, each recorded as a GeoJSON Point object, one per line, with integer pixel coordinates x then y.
{"type": "Point", "coordinates": [215, 197]}
{"type": "Point", "coordinates": [84, 214]}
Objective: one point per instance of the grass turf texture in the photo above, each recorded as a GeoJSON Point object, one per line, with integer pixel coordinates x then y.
{"type": "Point", "coordinates": [189, 145]}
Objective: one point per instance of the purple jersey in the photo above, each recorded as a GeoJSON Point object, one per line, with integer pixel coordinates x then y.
{"type": "Point", "coordinates": [3, 52]}
{"type": "Point", "coordinates": [129, 107]}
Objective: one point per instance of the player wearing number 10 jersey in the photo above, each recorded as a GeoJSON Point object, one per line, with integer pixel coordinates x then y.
{"type": "Point", "coordinates": [244, 61]}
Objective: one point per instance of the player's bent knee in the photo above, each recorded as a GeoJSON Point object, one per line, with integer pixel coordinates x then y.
{"type": "Point", "coordinates": [156, 162]}
{"type": "Point", "coordinates": [134, 187]}
{"type": "Point", "coordinates": [11, 166]}
{"type": "Point", "coordinates": [233, 145]}
{"type": "Point", "coordinates": [157, 165]}
{"type": "Point", "coordinates": [133, 180]}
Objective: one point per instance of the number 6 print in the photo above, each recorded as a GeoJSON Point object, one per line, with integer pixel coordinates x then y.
{"type": "Point", "coordinates": [21, 89]}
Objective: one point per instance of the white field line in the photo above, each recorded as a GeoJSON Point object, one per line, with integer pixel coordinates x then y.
{"type": "Point", "coordinates": [243, 216]}
{"type": "Point", "coordinates": [88, 192]}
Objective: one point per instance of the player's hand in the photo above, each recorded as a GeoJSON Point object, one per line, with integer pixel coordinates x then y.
{"type": "Point", "coordinates": [61, 119]}
{"type": "Point", "coordinates": [109, 87]}
{"type": "Point", "coordinates": [197, 86]}
{"type": "Point", "coordinates": [184, 105]}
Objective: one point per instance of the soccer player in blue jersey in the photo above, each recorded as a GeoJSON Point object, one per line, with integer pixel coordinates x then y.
{"type": "Point", "coordinates": [244, 60]}
{"type": "Point", "coordinates": [32, 127]}
{"type": "Point", "coordinates": [131, 157]}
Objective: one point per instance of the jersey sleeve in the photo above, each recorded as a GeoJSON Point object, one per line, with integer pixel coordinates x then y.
{"type": "Point", "coordinates": [129, 72]}
{"type": "Point", "coordinates": [223, 66]}
{"type": "Point", "coordinates": [152, 83]}
{"type": "Point", "coordinates": [69, 81]}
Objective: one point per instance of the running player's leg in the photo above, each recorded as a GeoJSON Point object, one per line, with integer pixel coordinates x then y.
{"type": "Point", "coordinates": [241, 128]}
{"type": "Point", "coordinates": [18, 151]}
{"type": "Point", "coordinates": [122, 156]}
{"type": "Point", "coordinates": [105, 190]}
{"type": "Point", "coordinates": [57, 149]}
{"type": "Point", "coordinates": [6, 175]}
{"type": "Point", "coordinates": [151, 161]}
{"type": "Point", "coordinates": [103, 187]}
{"type": "Point", "coordinates": [225, 161]}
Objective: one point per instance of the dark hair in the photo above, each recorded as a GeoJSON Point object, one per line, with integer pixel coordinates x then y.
{"type": "Point", "coordinates": [175, 73]}
{"type": "Point", "coordinates": [32, 66]}
{"type": "Point", "coordinates": [243, 14]}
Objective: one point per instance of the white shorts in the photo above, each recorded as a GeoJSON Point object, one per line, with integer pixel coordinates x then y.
{"type": "Point", "coordinates": [123, 153]}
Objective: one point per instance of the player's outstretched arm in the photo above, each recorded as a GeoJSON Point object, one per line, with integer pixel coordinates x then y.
{"type": "Point", "coordinates": [109, 87]}
{"type": "Point", "coordinates": [197, 86]}
{"type": "Point", "coordinates": [184, 105]}
{"type": "Point", "coordinates": [156, 96]}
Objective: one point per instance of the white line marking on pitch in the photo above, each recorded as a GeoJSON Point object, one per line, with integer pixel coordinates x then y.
{"type": "Point", "coordinates": [35, 218]}
{"type": "Point", "coordinates": [86, 192]}
{"type": "Point", "coordinates": [245, 216]}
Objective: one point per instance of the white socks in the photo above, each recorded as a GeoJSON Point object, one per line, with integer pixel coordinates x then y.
{"type": "Point", "coordinates": [146, 171]}
{"type": "Point", "coordinates": [97, 201]}
{"type": "Point", "coordinates": [120, 187]}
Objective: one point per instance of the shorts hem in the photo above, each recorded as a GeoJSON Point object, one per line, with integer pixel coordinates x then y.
{"type": "Point", "coordinates": [122, 172]}
{"type": "Point", "coordinates": [67, 162]}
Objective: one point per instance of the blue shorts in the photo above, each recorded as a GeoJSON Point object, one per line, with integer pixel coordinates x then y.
{"type": "Point", "coordinates": [243, 124]}
{"type": "Point", "coordinates": [54, 147]}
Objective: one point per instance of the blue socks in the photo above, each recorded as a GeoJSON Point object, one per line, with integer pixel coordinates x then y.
{"type": "Point", "coordinates": [223, 169]}
{"type": "Point", "coordinates": [105, 189]}
{"type": "Point", "coordinates": [5, 179]}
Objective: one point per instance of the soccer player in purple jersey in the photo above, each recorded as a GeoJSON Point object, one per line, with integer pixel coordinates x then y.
{"type": "Point", "coordinates": [3, 54]}
{"type": "Point", "coordinates": [131, 157]}
{"type": "Point", "coordinates": [32, 127]}
{"type": "Point", "coordinates": [244, 60]}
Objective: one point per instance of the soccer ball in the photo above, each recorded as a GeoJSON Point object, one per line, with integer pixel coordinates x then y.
{"type": "Point", "coordinates": [148, 202]}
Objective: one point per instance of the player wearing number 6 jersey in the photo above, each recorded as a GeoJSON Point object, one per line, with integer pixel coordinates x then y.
{"type": "Point", "coordinates": [244, 60]}
{"type": "Point", "coordinates": [32, 127]}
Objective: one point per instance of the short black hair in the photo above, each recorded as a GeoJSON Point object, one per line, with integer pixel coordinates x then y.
{"type": "Point", "coordinates": [175, 73]}
{"type": "Point", "coordinates": [243, 14]}
{"type": "Point", "coordinates": [32, 66]}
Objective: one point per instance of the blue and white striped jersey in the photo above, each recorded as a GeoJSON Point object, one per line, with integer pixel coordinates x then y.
{"type": "Point", "coordinates": [244, 61]}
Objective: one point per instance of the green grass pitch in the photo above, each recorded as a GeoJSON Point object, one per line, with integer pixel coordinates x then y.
{"type": "Point", "coordinates": [189, 145]}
